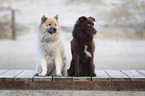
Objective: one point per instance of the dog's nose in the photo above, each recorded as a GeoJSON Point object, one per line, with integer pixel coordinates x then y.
{"type": "Point", "coordinates": [54, 29]}
{"type": "Point", "coordinates": [95, 31]}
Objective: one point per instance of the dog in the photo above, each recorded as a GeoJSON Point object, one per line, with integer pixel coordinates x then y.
{"type": "Point", "coordinates": [82, 48]}
{"type": "Point", "coordinates": [51, 58]}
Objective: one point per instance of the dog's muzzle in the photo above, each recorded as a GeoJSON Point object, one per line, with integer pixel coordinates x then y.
{"type": "Point", "coordinates": [52, 30]}
{"type": "Point", "coordinates": [95, 31]}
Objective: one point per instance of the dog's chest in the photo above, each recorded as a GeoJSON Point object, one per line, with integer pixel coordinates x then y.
{"type": "Point", "coordinates": [50, 49]}
{"type": "Point", "coordinates": [87, 52]}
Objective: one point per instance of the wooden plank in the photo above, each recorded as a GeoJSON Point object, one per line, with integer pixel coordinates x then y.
{"type": "Point", "coordinates": [62, 78]}
{"type": "Point", "coordinates": [9, 75]}
{"type": "Point", "coordinates": [81, 78]}
{"type": "Point", "coordinates": [135, 76]}
{"type": "Point", "coordinates": [26, 75]}
{"type": "Point", "coordinates": [78, 83]}
{"type": "Point", "coordinates": [45, 78]}
{"type": "Point", "coordinates": [2, 71]}
{"type": "Point", "coordinates": [101, 76]}
{"type": "Point", "coordinates": [141, 71]}
{"type": "Point", "coordinates": [117, 75]}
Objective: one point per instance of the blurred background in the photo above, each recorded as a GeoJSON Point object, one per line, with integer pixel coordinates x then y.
{"type": "Point", "coordinates": [120, 41]}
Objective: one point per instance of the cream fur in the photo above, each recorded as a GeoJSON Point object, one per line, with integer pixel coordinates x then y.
{"type": "Point", "coordinates": [51, 59]}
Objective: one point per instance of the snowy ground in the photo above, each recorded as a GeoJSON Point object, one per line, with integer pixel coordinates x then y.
{"type": "Point", "coordinates": [109, 54]}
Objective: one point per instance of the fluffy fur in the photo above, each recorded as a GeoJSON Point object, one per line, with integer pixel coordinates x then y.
{"type": "Point", "coordinates": [51, 59]}
{"type": "Point", "coordinates": [82, 48]}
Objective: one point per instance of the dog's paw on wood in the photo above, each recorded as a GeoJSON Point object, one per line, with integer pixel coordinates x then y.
{"type": "Point", "coordinates": [77, 74]}
{"type": "Point", "coordinates": [59, 75]}
{"type": "Point", "coordinates": [41, 74]}
{"type": "Point", "coordinates": [93, 75]}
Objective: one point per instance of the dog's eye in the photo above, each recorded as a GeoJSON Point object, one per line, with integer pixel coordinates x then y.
{"type": "Point", "coordinates": [55, 24]}
{"type": "Point", "coordinates": [49, 24]}
{"type": "Point", "coordinates": [89, 22]}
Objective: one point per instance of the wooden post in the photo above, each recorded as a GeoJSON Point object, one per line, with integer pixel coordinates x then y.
{"type": "Point", "coordinates": [13, 24]}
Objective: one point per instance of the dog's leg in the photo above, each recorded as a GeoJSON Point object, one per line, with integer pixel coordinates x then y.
{"type": "Point", "coordinates": [63, 69]}
{"type": "Point", "coordinates": [43, 66]}
{"type": "Point", "coordinates": [37, 70]}
{"type": "Point", "coordinates": [92, 71]}
{"type": "Point", "coordinates": [58, 64]}
{"type": "Point", "coordinates": [38, 67]}
{"type": "Point", "coordinates": [71, 70]}
{"type": "Point", "coordinates": [76, 58]}
{"type": "Point", "coordinates": [92, 49]}
{"type": "Point", "coordinates": [75, 55]}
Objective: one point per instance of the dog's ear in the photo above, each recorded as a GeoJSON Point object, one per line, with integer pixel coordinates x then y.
{"type": "Point", "coordinates": [43, 19]}
{"type": "Point", "coordinates": [82, 19]}
{"type": "Point", "coordinates": [92, 18]}
{"type": "Point", "coordinates": [56, 17]}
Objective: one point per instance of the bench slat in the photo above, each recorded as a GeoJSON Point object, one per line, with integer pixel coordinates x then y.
{"type": "Point", "coordinates": [45, 78]}
{"type": "Point", "coordinates": [101, 76]}
{"type": "Point", "coordinates": [81, 78]}
{"type": "Point", "coordinates": [135, 76]}
{"type": "Point", "coordinates": [2, 71]}
{"type": "Point", "coordinates": [9, 75]}
{"type": "Point", "coordinates": [55, 78]}
{"type": "Point", "coordinates": [117, 75]}
{"type": "Point", "coordinates": [26, 75]}
{"type": "Point", "coordinates": [141, 71]}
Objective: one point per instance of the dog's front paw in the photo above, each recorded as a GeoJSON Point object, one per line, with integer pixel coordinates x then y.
{"type": "Point", "coordinates": [41, 74]}
{"type": "Point", "coordinates": [36, 74]}
{"type": "Point", "coordinates": [77, 74]}
{"type": "Point", "coordinates": [93, 74]}
{"type": "Point", "coordinates": [59, 75]}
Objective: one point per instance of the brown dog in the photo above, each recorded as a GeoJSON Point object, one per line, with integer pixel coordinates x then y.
{"type": "Point", "coordinates": [82, 48]}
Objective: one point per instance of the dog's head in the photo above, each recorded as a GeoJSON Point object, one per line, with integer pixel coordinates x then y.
{"type": "Point", "coordinates": [87, 24]}
{"type": "Point", "coordinates": [49, 25]}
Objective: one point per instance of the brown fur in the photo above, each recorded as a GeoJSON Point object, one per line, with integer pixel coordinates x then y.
{"type": "Point", "coordinates": [83, 33]}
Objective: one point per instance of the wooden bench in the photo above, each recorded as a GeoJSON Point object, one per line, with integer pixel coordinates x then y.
{"type": "Point", "coordinates": [105, 80]}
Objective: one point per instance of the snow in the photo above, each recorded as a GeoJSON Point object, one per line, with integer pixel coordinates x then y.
{"type": "Point", "coordinates": [109, 54]}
